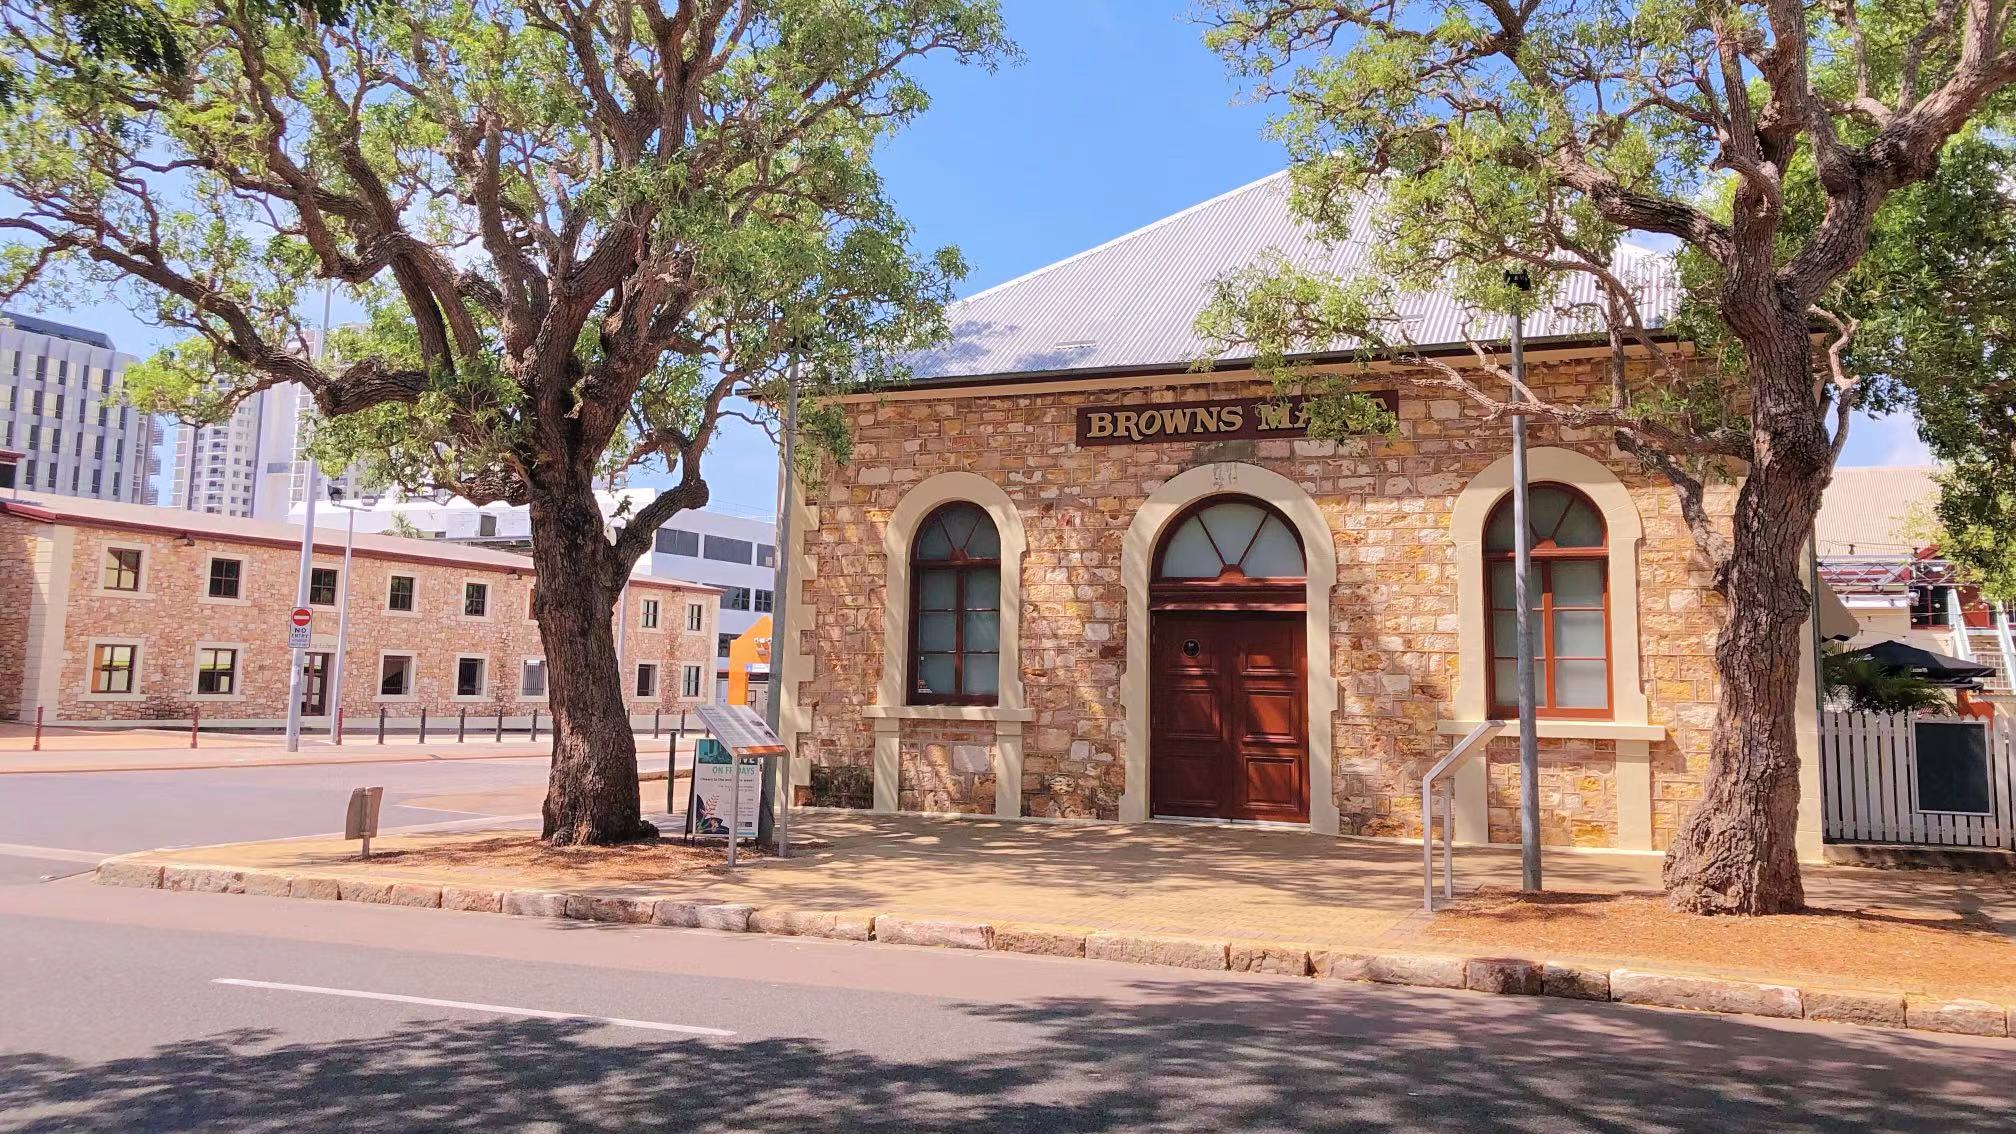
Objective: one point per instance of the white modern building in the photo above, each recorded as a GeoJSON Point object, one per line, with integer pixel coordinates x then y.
{"type": "Point", "coordinates": [62, 412]}
{"type": "Point", "coordinates": [721, 547]}
{"type": "Point", "coordinates": [251, 465]}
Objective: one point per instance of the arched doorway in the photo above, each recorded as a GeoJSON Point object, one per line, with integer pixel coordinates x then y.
{"type": "Point", "coordinates": [1230, 722]}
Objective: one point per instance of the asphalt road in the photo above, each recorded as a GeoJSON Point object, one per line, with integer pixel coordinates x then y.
{"type": "Point", "coordinates": [57, 824]}
{"type": "Point", "coordinates": [111, 1018]}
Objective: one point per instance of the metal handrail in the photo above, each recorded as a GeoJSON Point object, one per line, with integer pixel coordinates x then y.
{"type": "Point", "coordinates": [1962, 648]}
{"type": "Point", "coordinates": [1475, 739]}
{"type": "Point", "coordinates": [2006, 642]}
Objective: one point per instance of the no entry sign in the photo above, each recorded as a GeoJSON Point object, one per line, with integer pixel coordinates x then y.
{"type": "Point", "coordinates": [300, 628]}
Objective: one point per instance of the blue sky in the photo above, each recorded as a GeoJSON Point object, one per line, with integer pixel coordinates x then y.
{"type": "Point", "coordinates": [1118, 117]}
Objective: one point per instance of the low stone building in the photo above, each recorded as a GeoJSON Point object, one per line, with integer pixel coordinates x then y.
{"type": "Point", "coordinates": [121, 612]}
{"type": "Point", "coordinates": [1065, 574]}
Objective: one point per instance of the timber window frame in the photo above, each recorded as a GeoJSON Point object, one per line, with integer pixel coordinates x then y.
{"type": "Point", "coordinates": [112, 669]}
{"type": "Point", "coordinates": [955, 598]}
{"type": "Point", "coordinates": [1570, 552]}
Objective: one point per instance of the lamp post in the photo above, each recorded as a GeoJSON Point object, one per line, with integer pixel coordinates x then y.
{"type": "Point", "coordinates": [295, 682]}
{"type": "Point", "coordinates": [335, 690]}
{"type": "Point", "coordinates": [1522, 573]}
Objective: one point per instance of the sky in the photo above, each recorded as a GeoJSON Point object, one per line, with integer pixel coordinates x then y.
{"type": "Point", "coordinates": [1117, 117]}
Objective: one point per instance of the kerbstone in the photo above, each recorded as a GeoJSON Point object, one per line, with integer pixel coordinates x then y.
{"type": "Point", "coordinates": [1147, 949]}
{"type": "Point", "coordinates": [1262, 957]}
{"type": "Point", "coordinates": [1574, 982]}
{"type": "Point", "coordinates": [137, 874]}
{"type": "Point", "coordinates": [319, 889]}
{"type": "Point", "coordinates": [728, 917]}
{"type": "Point", "coordinates": [415, 895]}
{"type": "Point", "coordinates": [1332, 964]}
{"type": "Point", "coordinates": [472, 900]}
{"type": "Point", "coordinates": [1422, 970]}
{"type": "Point", "coordinates": [1038, 940]}
{"type": "Point", "coordinates": [1705, 994]}
{"type": "Point", "coordinates": [202, 880]}
{"type": "Point", "coordinates": [617, 909]}
{"type": "Point", "coordinates": [267, 884]}
{"type": "Point", "coordinates": [926, 931]}
{"type": "Point", "coordinates": [1960, 1017]}
{"type": "Point", "coordinates": [535, 903]}
{"type": "Point", "coordinates": [1847, 1006]}
{"type": "Point", "coordinates": [1504, 976]}
{"type": "Point", "coordinates": [366, 890]}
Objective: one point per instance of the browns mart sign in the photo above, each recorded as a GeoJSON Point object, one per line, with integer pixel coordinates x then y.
{"type": "Point", "coordinates": [1223, 419]}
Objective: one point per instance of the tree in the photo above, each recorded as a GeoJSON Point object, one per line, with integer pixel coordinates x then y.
{"type": "Point", "coordinates": [1540, 134]}
{"type": "Point", "coordinates": [579, 228]}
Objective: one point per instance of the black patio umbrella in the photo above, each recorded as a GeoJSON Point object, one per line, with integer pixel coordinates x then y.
{"type": "Point", "coordinates": [1936, 668]}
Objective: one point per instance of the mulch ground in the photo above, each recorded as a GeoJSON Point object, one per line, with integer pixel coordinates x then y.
{"type": "Point", "coordinates": [1940, 953]}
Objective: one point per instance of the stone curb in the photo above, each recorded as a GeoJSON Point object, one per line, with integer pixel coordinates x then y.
{"type": "Point", "coordinates": [1503, 976]}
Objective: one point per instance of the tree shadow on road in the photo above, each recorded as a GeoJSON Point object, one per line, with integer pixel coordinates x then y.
{"type": "Point", "coordinates": [1171, 1055]}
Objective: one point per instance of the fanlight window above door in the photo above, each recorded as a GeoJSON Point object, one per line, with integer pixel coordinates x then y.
{"type": "Point", "coordinates": [1232, 539]}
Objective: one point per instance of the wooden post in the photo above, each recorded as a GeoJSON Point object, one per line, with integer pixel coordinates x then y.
{"type": "Point", "coordinates": [339, 724]}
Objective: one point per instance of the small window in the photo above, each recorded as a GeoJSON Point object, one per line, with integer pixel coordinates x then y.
{"type": "Point", "coordinates": [399, 593]}
{"type": "Point", "coordinates": [726, 550]}
{"type": "Point", "coordinates": [469, 677]}
{"type": "Point", "coordinates": [395, 676]}
{"type": "Point", "coordinates": [322, 586]}
{"type": "Point", "coordinates": [226, 577]}
{"type": "Point", "coordinates": [486, 526]}
{"type": "Point", "coordinates": [955, 604]}
{"type": "Point", "coordinates": [735, 598]}
{"type": "Point", "coordinates": [689, 681]}
{"type": "Point", "coordinates": [721, 644]}
{"type": "Point", "coordinates": [764, 600]}
{"type": "Point", "coordinates": [648, 617]}
{"type": "Point", "coordinates": [532, 678]}
{"type": "Point", "coordinates": [216, 672]}
{"type": "Point", "coordinates": [647, 680]}
{"type": "Point", "coordinates": [1568, 600]}
{"type": "Point", "coordinates": [672, 541]}
{"type": "Point", "coordinates": [696, 616]}
{"type": "Point", "coordinates": [122, 569]}
{"type": "Point", "coordinates": [475, 599]}
{"type": "Point", "coordinates": [766, 555]}
{"type": "Point", "coordinates": [112, 668]}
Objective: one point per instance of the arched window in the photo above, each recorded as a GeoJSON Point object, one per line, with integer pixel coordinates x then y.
{"type": "Point", "coordinates": [955, 624]}
{"type": "Point", "coordinates": [1229, 553]}
{"type": "Point", "coordinates": [1570, 600]}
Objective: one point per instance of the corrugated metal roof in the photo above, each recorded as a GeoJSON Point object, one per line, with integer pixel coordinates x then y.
{"type": "Point", "coordinates": [105, 513]}
{"type": "Point", "coordinates": [1132, 301]}
{"type": "Point", "coordinates": [1876, 510]}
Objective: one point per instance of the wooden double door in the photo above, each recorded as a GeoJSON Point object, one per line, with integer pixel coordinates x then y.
{"type": "Point", "coordinates": [1230, 731]}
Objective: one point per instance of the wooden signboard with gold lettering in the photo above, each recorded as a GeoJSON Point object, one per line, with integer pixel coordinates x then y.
{"type": "Point", "coordinates": [1223, 419]}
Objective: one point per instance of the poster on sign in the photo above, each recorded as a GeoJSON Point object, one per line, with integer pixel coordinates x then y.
{"type": "Point", "coordinates": [713, 793]}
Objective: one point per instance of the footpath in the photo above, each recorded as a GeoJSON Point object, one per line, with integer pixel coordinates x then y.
{"type": "Point", "coordinates": [71, 749]}
{"type": "Point", "coordinates": [1887, 948]}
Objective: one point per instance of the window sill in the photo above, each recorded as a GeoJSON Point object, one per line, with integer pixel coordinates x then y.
{"type": "Point", "coordinates": [948, 713]}
{"type": "Point", "coordinates": [208, 601]}
{"type": "Point", "coordinates": [1558, 729]}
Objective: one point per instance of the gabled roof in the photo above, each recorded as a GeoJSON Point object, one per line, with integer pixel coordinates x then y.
{"type": "Point", "coordinates": [78, 511]}
{"type": "Point", "coordinates": [1877, 510]}
{"type": "Point", "coordinates": [1130, 304]}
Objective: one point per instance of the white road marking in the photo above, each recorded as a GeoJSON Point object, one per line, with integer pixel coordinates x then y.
{"type": "Point", "coordinates": [60, 854]}
{"type": "Point", "coordinates": [500, 1009]}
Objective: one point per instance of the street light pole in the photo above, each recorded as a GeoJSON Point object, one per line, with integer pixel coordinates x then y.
{"type": "Point", "coordinates": [294, 683]}
{"type": "Point", "coordinates": [335, 691]}
{"type": "Point", "coordinates": [1522, 574]}
{"type": "Point", "coordinates": [780, 605]}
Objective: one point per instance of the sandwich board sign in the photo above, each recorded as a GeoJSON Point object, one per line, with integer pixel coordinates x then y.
{"type": "Point", "coordinates": [715, 793]}
{"type": "Point", "coordinates": [300, 628]}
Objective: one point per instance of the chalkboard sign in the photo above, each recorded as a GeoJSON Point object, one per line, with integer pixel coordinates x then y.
{"type": "Point", "coordinates": [1952, 767]}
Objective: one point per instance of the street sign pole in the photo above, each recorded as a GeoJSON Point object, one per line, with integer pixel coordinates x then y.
{"type": "Point", "coordinates": [780, 607]}
{"type": "Point", "coordinates": [295, 682]}
{"type": "Point", "coordinates": [335, 689]}
{"type": "Point", "coordinates": [1522, 573]}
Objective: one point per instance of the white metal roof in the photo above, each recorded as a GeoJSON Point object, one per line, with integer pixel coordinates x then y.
{"type": "Point", "coordinates": [1132, 302]}
{"type": "Point", "coordinates": [1878, 510]}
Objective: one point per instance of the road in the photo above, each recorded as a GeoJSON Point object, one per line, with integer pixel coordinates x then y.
{"type": "Point", "coordinates": [348, 1017]}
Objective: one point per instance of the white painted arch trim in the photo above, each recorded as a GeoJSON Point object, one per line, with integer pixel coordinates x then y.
{"type": "Point", "coordinates": [1137, 567]}
{"type": "Point", "coordinates": [892, 691]}
{"type": "Point", "coordinates": [1472, 510]}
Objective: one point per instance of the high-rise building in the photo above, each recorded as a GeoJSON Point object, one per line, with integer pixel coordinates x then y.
{"type": "Point", "coordinates": [252, 465]}
{"type": "Point", "coordinates": [61, 410]}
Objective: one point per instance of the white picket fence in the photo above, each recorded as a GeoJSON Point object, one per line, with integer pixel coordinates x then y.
{"type": "Point", "coordinates": [1879, 787]}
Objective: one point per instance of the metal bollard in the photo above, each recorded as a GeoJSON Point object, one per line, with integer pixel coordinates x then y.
{"type": "Point", "coordinates": [339, 724]}
{"type": "Point", "coordinates": [38, 729]}
{"type": "Point", "coordinates": [654, 724]}
{"type": "Point", "coordinates": [535, 726]}
{"type": "Point", "coordinates": [462, 726]}
{"type": "Point", "coordinates": [499, 738]}
{"type": "Point", "coordinates": [195, 722]}
{"type": "Point", "coordinates": [423, 724]}
{"type": "Point", "coordinates": [381, 724]}
{"type": "Point", "coordinates": [671, 771]}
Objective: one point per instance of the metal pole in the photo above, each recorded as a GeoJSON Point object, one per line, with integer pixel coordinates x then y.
{"type": "Point", "coordinates": [38, 729]}
{"type": "Point", "coordinates": [535, 727]}
{"type": "Point", "coordinates": [381, 724]}
{"type": "Point", "coordinates": [294, 682]}
{"type": "Point", "coordinates": [734, 804]}
{"type": "Point", "coordinates": [342, 630]}
{"type": "Point", "coordinates": [462, 726]}
{"type": "Point", "coordinates": [423, 724]}
{"type": "Point", "coordinates": [195, 724]}
{"type": "Point", "coordinates": [780, 606]}
{"type": "Point", "coordinates": [499, 738]}
{"type": "Point", "coordinates": [1522, 572]}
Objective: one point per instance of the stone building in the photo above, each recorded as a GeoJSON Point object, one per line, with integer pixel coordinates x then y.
{"type": "Point", "coordinates": [130, 613]}
{"type": "Point", "coordinates": [1065, 574]}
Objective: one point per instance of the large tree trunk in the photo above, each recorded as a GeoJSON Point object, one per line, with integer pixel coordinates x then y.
{"type": "Point", "coordinates": [1735, 852]}
{"type": "Point", "coordinates": [591, 795]}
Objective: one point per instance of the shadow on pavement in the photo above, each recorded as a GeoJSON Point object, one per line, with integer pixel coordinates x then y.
{"type": "Point", "coordinates": [1258, 1056]}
